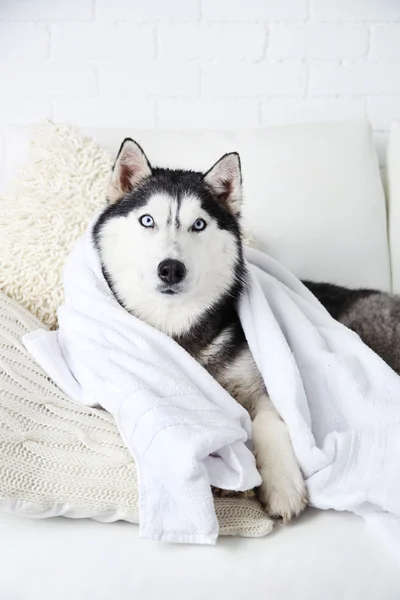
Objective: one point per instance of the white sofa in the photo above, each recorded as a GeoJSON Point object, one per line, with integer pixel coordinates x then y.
{"type": "Point", "coordinates": [314, 200]}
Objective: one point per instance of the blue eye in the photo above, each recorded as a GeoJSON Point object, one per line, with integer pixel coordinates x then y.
{"type": "Point", "coordinates": [146, 221]}
{"type": "Point", "coordinates": [199, 225]}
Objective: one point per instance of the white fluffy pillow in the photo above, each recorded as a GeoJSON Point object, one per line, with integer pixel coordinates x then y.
{"type": "Point", "coordinates": [61, 458]}
{"type": "Point", "coordinates": [48, 207]}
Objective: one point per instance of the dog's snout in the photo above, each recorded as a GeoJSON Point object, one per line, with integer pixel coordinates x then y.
{"type": "Point", "coordinates": [171, 271]}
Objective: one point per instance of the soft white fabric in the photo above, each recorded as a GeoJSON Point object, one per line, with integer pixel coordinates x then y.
{"type": "Point", "coordinates": [61, 458]}
{"type": "Point", "coordinates": [338, 398]}
{"type": "Point", "coordinates": [182, 427]}
{"type": "Point", "coordinates": [313, 193]}
{"type": "Point", "coordinates": [393, 193]}
{"type": "Point", "coordinates": [322, 556]}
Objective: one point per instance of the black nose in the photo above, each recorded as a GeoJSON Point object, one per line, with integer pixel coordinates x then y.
{"type": "Point", "coordinates": [171, 271]}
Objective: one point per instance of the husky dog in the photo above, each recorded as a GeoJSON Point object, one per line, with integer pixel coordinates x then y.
{"type": "Point", "coordinates": [171, 251]}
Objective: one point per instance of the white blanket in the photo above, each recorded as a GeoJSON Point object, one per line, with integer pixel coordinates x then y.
{"type": "Point", "coordinates": [183, 429]}
{"type": "Point", "coordinates": [340, 401]}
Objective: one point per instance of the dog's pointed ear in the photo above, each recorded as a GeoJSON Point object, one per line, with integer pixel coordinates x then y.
{"type": "Point", "coordinates": [130, 168]}
{"type": "Point", "coordinates": [225, 181]}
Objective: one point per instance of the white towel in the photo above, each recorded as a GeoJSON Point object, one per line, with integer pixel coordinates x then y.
{"type": "Point", "coordinates": [183, 429]}
{"type": "Point", "coordinates": [340, 401]}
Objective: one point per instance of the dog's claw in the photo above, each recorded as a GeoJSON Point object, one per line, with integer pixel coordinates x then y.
{"type": "Point", "coordinates": [285, 501]}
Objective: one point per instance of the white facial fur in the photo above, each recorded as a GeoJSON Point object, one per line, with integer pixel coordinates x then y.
{"type": "Point", "coordinates": [131, 254]}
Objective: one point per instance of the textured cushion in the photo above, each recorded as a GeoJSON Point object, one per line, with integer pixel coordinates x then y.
{"type": "Point", "coordinates": [61, 458]}
{"type": "Point", "coordinates": [48, 207]}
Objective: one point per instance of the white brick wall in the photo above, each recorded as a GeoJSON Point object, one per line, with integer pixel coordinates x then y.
{"type": "Point", "coordinates": [255, 10]}
{"type": "Point", "coordinates": [385, 42]}
{"type": "Point", "coordinates": [318, 41]}
{"type": "Point", "coordinates": [353, 79]}
{"type": "Point", "coordinates": [210, 41]}
{"type": "Point", "coordinates": [101, 41]}
{"type": "Point", "coordinates": [200, 63]}
{"type": "Point", "coordinates": [255, 80]}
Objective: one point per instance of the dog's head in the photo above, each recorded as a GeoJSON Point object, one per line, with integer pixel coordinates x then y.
{"type": "Point", "coordinates": [170, 240]}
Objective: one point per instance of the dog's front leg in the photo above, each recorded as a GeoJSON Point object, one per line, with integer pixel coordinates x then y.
{"type": "Point", "coordinates": [282, 491]}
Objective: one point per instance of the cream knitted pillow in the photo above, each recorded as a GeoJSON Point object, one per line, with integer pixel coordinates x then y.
{"type": "Point", "coordinates": [61, 458]}
{"type": "Point", "coordinates": [48, 207]}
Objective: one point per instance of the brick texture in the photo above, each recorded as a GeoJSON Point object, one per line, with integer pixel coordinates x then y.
{"type": "Point", "coordinates": [228, 41]}
{"type": "Point", "coordinates": [102, 41]}
{"type": "Point", "coordinates": [367, 78]}
{"type": "Point", "coordinates": [200, 63]}
{"type": "Point", "coordinates": [279, 79]}
{"type": "Point", "coordinates": [24, 40]}
{"type": "Point", "coordinates": [148, 79]}
{"type": "Point", "coordinates": [355, 10]}
{"type": "Point", "coordinates": [116, 112]}
{"type": "Point", "coordinates": [45, 10]}
{"type": "Point", "coordinates": [255, 10]}
{"type": "Point", "coordinates": [385, 42]}
{"type": "Point", "coordinates": [296, 110]}
{"type": "Point", "coordinates": [318, 41]}
{"type": "Point", "coordinates": [147, 10]}
{"type": "Point", "coordinates": [21, 110]}
{"type": "Point", "coordinates": [46, 78]}
{"type": "Point", "coordinates": [208, 114]}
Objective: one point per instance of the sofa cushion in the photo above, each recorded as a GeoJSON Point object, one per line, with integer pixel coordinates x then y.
{"type": "Point", "coordinates": [324, 555]}
{"type": "Point", "coordinates": [313, 193]}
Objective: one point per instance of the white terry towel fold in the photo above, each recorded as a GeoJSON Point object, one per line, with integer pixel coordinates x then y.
{"type": "Point", "coordinates": [183, 429]}
{"type": "Point", "coordinates": [340, 401]}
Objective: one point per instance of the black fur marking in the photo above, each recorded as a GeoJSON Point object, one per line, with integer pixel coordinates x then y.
{"type": "Point", "coordinates": [175, 183]}
{"type": "Point", "coordinates": [217, 319]}
{"type": "Point", "coordinates": [169, 219]}
{"type": "Point", "coordinates": [336, 299]}
{"type": "Point", "coordinates": [178, 208]}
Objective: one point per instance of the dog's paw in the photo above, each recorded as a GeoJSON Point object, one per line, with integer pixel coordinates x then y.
{"type": "Point", "coordinates": [282, 497]}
